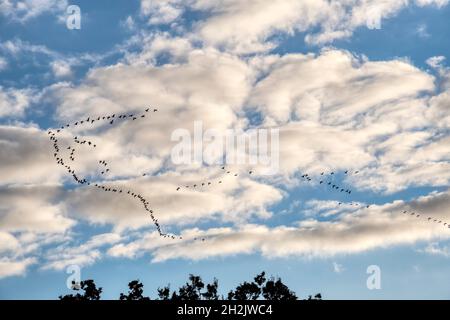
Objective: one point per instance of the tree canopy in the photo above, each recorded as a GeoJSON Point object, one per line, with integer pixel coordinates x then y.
{"type": "Point", "coordinates": [261, 288]}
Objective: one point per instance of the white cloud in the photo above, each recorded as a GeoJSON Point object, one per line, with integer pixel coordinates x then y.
{"type": "Point", "coordinates": [82, 255]}
{"type": "Point", "coordinates": [40, 55]}
{"type": "Point", "coordinates": [436, 61]}
{"type": "Point", "coordinates": [3, 64]}
{"type": "Point", "coordinates": [161, 11]}
{"type": "Point", "coordinates": [438, 3]}
{"type": "Point", "coordinates": [377, 227]}
{"type": "Point", "coordinates": [61, 69]}
{"type": "Point", "coordinates": [9, 268]}
{"type": "Point", "coordinates": [157, 45]}
{"type": "Point", "coordinates": [7, 242]}
{"type": "Point", "coordinates": [373, 97]}
{"type": "Point", "coordinates": [246, 26]}
{"type": "Point", "coordinates": [27, 157]}
{"type": "Point", "coordinates": [434, 248]}
{"type": "Point", "coordinates": [33, 209]}
{"type": "Point", "coordinates": [14, 102]}
{"type": "Point", "coordinates": [17, 46]}
{"type": "Point", "coordinates": [24, 10]}
{"type": "Point", "coordinates": [233, 201]}
{"type": "Point", "coordinates": [351, 87]}
{"type": "Point", "coordinates": [334, 110]}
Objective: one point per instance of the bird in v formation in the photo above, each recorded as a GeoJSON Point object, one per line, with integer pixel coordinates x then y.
{"type": "Point", "coordinates": [326, 179]}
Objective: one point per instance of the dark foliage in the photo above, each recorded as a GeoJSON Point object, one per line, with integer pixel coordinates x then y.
{"type": "Point", "coordinates": [272, 289]}
{"type": "Point", "coordinates": [90, 291]}
{"type": "Point", "coordinates": [164, 293]}
{"type": "Point", "coordinates": [277, 290]}
{"type": "Point", "coordinates": [135, 291]}
{"type": "Point", "coordinates": [211, 291]}
{"type": "Point", "coordinates": [316, 297]}
{"type": "Point", "coordinates": [195, 289]}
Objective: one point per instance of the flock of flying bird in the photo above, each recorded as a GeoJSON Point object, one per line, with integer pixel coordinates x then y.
{"type": "Point", "coordinates": [325, 178]}
{"type": "Point", "coordinates": [101, 186]}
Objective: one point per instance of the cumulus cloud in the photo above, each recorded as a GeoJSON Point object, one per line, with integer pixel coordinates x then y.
{"type": "Point", "coordinates": [27, 156]}
{"type": "Point", "coordinates": [313, 137]}
{"type": "Point", "coordinates": [8, 242]}
{"type": "Point", "coordinates": [40, 56]}
{"type": "Point", "coordinates": [161, 11]}
{"type": "Point", "coordinates": [247, 26]}
{"type": "Point", "coordinates": [335, 86]}
{"type": "Point", "coordinates": [14, 102]}
{"type": "Point", "coordinates": [434, 248]}
{"type": "Point", "coordinates": [233, 201]}
{"type": "Point", "coordinates": [32, 208]}
{"type": "Point", "coordinates": [9, 268]}
{"type": "Point", "coordinates": [436, 61]}
{"type": "Point", "coordinates": [334, 110]}
{"type": "Point", "coordinates": [24, 10]}
{"type": "Point", "coordinates": [61, 69]}
{"type": "Point", "coordinates": [3, 63]}
{"type": "Point", "coordinates": [350, 118]}
{"type": "Point", "coordinates": [438, 3]}
{"type": "Point", "coordinates": [377, 227]}
{"type": "Point", "coordinates": [82, 255]}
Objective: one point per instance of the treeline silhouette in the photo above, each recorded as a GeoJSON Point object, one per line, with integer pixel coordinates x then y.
{"type": "Point", "coordinates": [261, 288]}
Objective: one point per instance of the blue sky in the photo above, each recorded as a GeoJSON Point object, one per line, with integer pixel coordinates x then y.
{"type": "Point", "coordinates": [345, 96]}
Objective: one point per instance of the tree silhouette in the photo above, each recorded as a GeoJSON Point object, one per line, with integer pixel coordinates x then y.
{"type": "Point", "coordinates": [316, 297]}
{"type": "Point", "coordinates": [164, 293]}
{"type": "Point", "coordinates": [272, 289]}
{"type": "Point", "coordinates": [248, 290]}
{"type": "Point", "coordinates": [211, 291]}
{"type": "Point", "coordinates": [90, 291]}
{"type": "Point", "coordinates": [195, 289]}
{"type": "Point", "coordinates": [277, 290]}
{"type": "Point", "coordinates": [191, 290]}
{"type": "Point", "coordinates": [135, 291]}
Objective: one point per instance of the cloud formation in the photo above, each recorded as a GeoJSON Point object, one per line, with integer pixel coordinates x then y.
{"type": "Point", "coordinates": [335, 111]}
{"type": "Point", "coordinates": [250, 26]}
{"type": "Point", "coordinates": [366, 229]}
{"type": "Point", "coordinates": [24, 10]}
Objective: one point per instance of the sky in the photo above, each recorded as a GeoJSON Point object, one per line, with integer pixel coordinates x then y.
{"type": "Point", "coordinates": [358, 91]}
